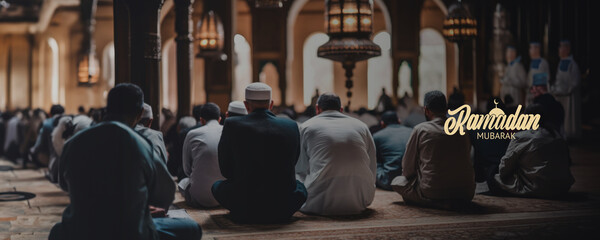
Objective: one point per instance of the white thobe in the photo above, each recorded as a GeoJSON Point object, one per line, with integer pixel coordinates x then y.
{"type": "Point", "coordinates": [201, 163]}
{"type": "Point", "coordinates": [514, 81]}
{"type": "Point", "coordinates": [567, 92]}
{"type": "Point", "coordinates": [337, 164]}
{"type": "Point", "coordinates": [539, 65]}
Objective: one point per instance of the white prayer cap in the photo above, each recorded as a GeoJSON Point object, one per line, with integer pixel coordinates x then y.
{"type": "Point", "coordinates": [237, 107]}
{"type": "Point", "coordinates": [258, 91]}
{"type": "Point", "coordinates": [147, 112]}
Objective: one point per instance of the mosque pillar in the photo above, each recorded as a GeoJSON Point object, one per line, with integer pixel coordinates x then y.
{"type": "Point", "coordinates": [269, 43]}
{"type": "Point", "coordinates": [185, 51]}
{"type": "Point", "coordinates": [406, 23]}
{"type": "Point", "coordinates": [141, 46]}
{"type": "Point", "coordinates": [218, 73]}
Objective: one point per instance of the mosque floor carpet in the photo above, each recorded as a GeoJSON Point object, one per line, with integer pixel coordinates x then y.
{"type": "Point", "coordinates": [577, 216]}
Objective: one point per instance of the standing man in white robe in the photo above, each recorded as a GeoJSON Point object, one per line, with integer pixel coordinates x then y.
{"type": "Point", "coordinates": [566, 89]}
{"type": "Point", "coordinates": [337, 161]}
{"type": "Point", "coordinates": [201, 159]}
{"type": "Point", "coordinates": [514, 80]}
{"type": "Point", "coordinates": [537, 65]}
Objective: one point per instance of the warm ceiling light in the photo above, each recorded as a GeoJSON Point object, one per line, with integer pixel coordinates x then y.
{"type": "Point", "coordinates": [349, 24]}
{"type": "Point", "coordinates": [459, 24]}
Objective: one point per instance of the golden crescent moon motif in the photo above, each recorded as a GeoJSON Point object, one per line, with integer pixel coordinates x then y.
{"type": "Point", "coordinates": [496, 101]}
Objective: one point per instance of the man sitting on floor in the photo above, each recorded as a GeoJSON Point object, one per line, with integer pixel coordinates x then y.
{"type": "Point", "coordinates": [113, 178]}
{"type": "Point", "coordinates": [155, 137]}
{"type": "Point", "coordinates": [200, 159]}
{"type": "Point", "coordinates": [257, 155]}
{"type": "Point", "coordinates": [390, 143]}
{"type": "Point", "coordinates": [436, 169]}
{"type": "Point", "coordinates": [337, 161]}
{"type": "Point", "coordinates": [536, 163]}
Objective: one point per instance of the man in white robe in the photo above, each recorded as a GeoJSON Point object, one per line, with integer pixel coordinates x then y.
{"type": "Point", "coordinates": [337, 161]}
{"type": "Point", "coordinates": [514, 80]}
{"type": "Point", "coordinates": [436, 168]}
{"type": "Point", "coordinates": [537, 65]}
{"type": "Point", "coordinates": [201, 159]}
{"type": "Point", "coordinates": [566, 89]}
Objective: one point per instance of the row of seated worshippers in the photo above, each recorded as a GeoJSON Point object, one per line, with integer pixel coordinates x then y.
{"type": "Point", "coordinates": [264, 168]}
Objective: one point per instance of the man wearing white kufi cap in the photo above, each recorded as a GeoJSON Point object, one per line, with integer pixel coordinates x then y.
{"type": "Point", "coordinates": [156, 137]}
{"type": "Point", "coordinates": [236, 108]}
{"type": "Point", "coordinates": [257, 155]}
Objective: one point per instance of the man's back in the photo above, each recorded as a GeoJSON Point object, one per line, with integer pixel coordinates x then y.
{"type": "Point", "coordinates": [390, 143]}
{"type": "Point", "coordinates": [444, 162]}
{"type": "Point", "coordinates": [536, 164]}
{"type": "Point", "coordinates": [112, 176]}
{"type": "Point", "coordinates": [257, 154]}
{"type": "Point", "coordinates": [156, 140]}
{"type": "Point", "coordinates": [337, 164]}
{"type": "Point", "coordinates": [201, 162]}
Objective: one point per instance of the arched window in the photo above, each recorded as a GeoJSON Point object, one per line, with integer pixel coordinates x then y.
{"type": "Point", "coordinates": [405, 77]}
{"type": "Point", "coordinates": [432, 63]}
{"type": "Point", "coordinates": [108, 64]}
{"type": "Point", "coordinates": [169, 75]}
{"type": "Point", "coordinates": [243, 67]}
{"type": "Point", "coordinates": [270, 76]}
{"type": "Point", "coordinates": [318, 72]}
{"type": "Point", "coordinates": [379, 70]}
{"type": "Point", "coordinates": [55, 93]}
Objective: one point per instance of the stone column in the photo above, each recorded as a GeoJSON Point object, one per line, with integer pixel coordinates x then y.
{"type": "Point", "coordinates": [138, 47]}
{"type": "Point", "coordinates": [185, 51]}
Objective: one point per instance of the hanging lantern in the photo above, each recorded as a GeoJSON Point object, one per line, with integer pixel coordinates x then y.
{"type": "Point", "coordinates": [349, 24]}
{"type": "Point", "coordinates": [88, 69]}
{"type": "Point", "coordinates": [268, 3]}
{"type": "Point", "coordinates": [210, 36]}
{"type": "Point", "coordinates": [459, 25]}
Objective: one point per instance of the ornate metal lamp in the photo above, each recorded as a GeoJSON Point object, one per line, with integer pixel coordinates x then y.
{"type": "Point", "coordinates": [268, 3]}
{"type": "Point", "coordinates": [210, 36]}
{"type": "Point", "coordinates": [88, 65]}
{"type": "Point", "coordinates": [349, 24]}
{"type": "Point", "coordinates": [459, 25]}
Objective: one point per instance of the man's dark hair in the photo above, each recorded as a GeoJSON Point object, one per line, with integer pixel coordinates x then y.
{"type": "Point", "coordinates": [390, 117]}
{"type": "Point", "coordinates": [210, 111]}
{"type": "Point", "coordinates": [456, 99]}
{"type": "Point", "coordinates": [435, 101]}
{"type": "Point", "coordinates": [196, 112]}
{"type": "Point", "coordinates": [57, 109]}
{"type": "Point", "coordinates": [81, 110]}
{"type": "Point", "coordinates": [329, 101]}
{"type": "Point", "coordinates": [125, 99]}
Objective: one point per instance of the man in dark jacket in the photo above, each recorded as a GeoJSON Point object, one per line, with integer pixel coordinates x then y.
{"type": "Point", "coordinates": [257, 154]}
{"type": "Point", "coordinates": [115, 181]}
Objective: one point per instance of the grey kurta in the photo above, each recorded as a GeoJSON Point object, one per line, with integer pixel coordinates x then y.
{"type": "Point", "coordinates": [436, 166]}
{"type": "Point", "coordinates": [566, 89]}
{"type": "Point", "coordinates": [536, 164]}
{"type": "Point", "coordinates": [514, 81]}
{"type": "Point", "coordinates": [201, 164]}
{"type": "Point", "coordinates": [536, 66]}
{"type": "Point", "coordinates": [156, 138]}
